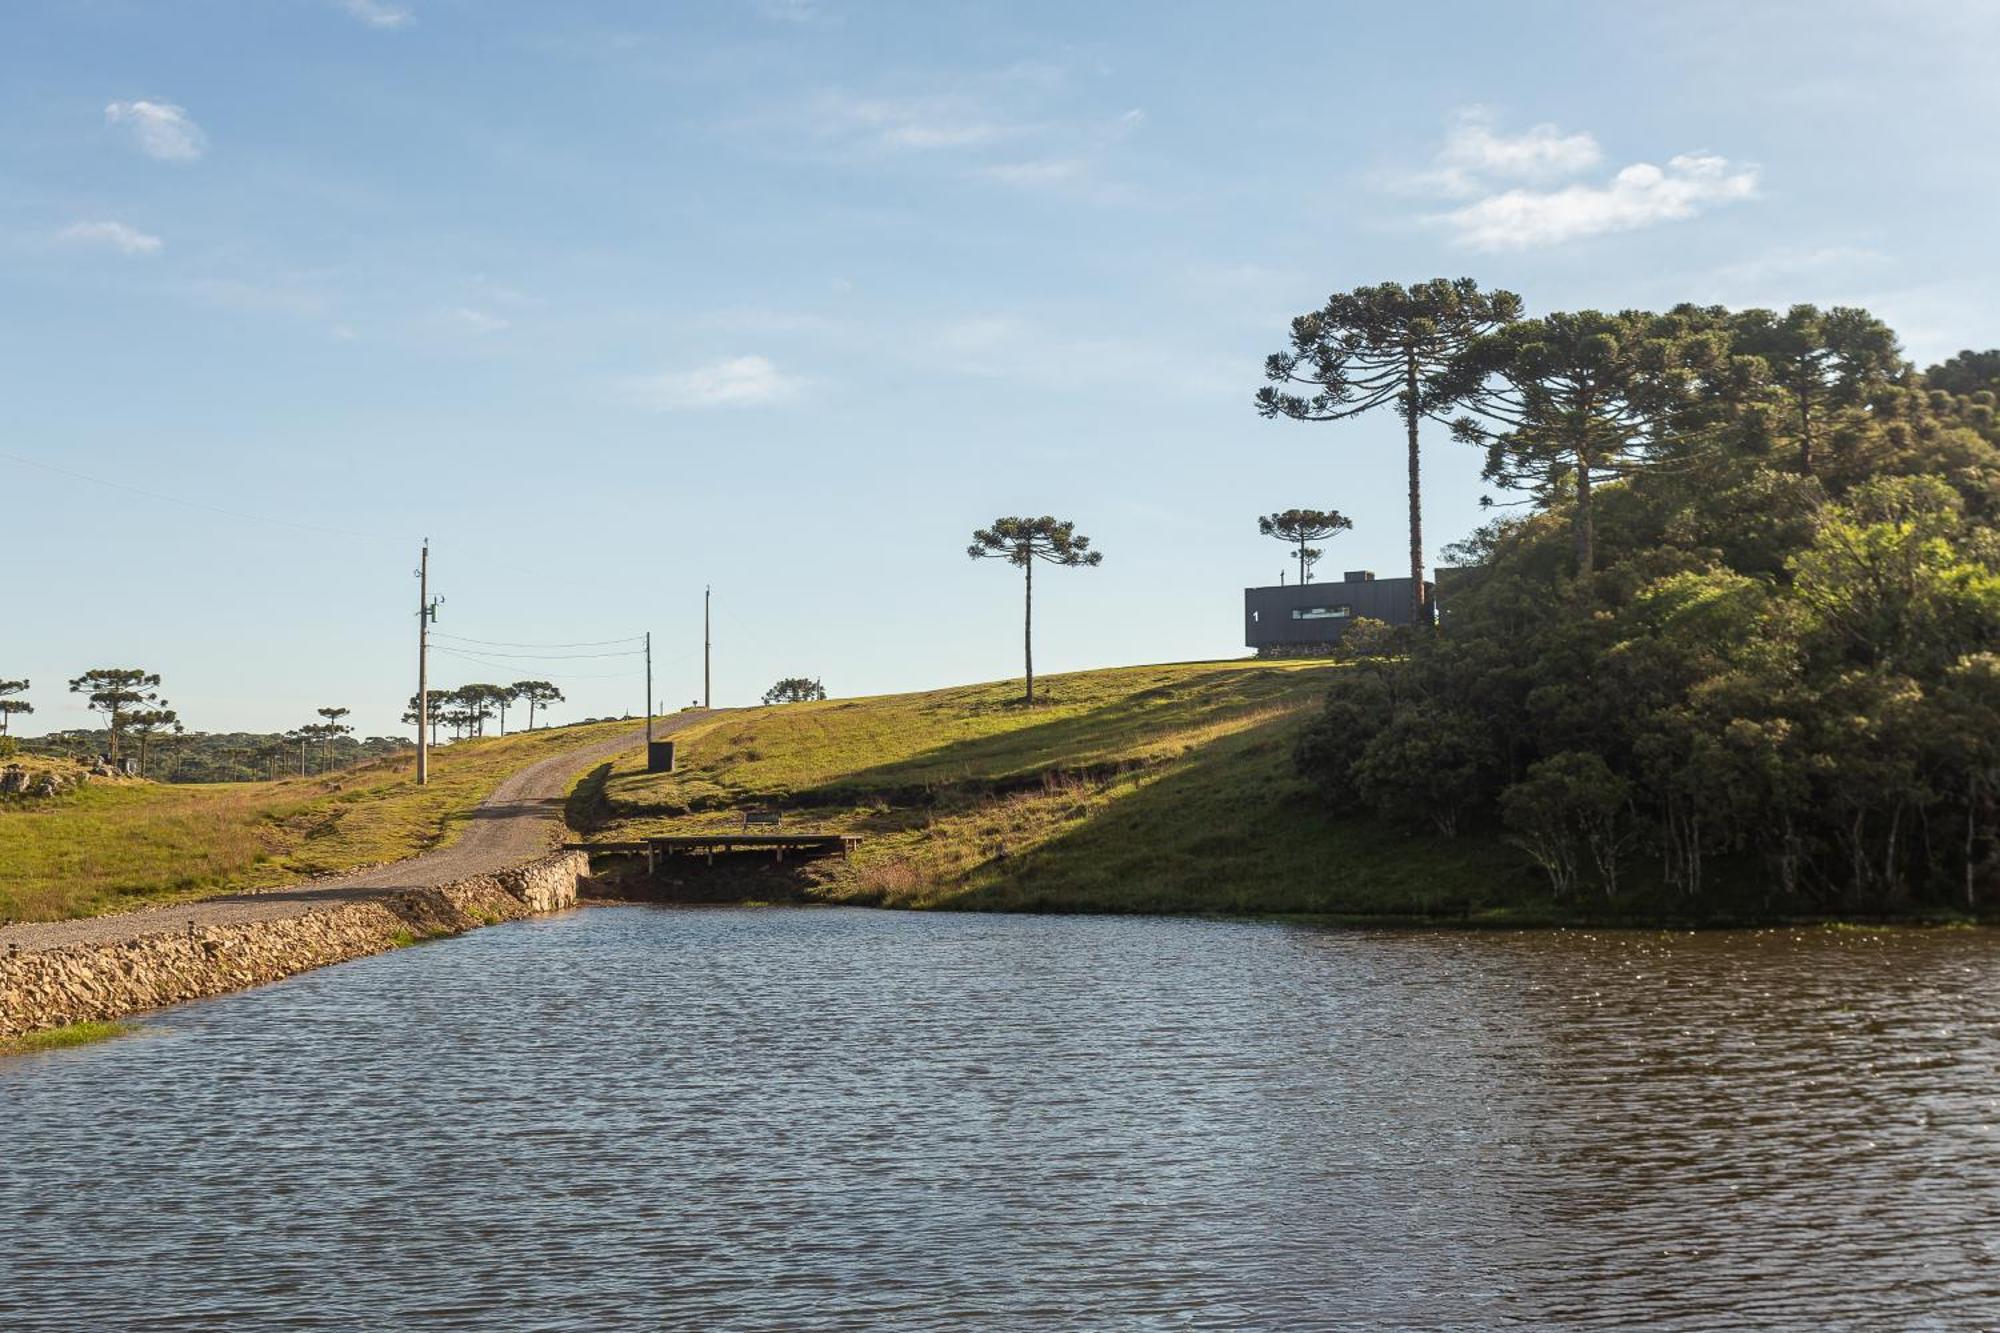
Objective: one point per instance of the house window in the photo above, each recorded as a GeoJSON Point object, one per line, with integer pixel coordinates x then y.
{"type": "Point", "coordinates": [1322, 612]}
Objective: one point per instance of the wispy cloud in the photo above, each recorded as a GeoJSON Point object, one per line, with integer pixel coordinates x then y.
{"type": "Point", "coordinates": [910, 123]}
{"type": "Point", "coordinates": [1475, 155]}
{"type": "Point", "coordinates": [1077, 160]}
{"type": "Point", "coordinates": [1638, 196]}
{"type": "Point", "coordinates": [1516, 203]}
{"type": "Point", "coordinates": [160, 129]}
{"type": "Point", "coordinates": [744, 381]}
{"type": "Point", "coordinates": [467, 319]}
{"type": "Point", "coordinates": [1037, 174]}
{"type": "Point", "coordinates": [376, 14]}
{"type": "Point", "coordinates": [794, 11]}
{"type": "Point", "coordinates": [114, 236]}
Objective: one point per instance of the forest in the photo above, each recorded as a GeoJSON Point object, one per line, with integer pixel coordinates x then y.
{"type": "Point", "coordinates": [1730, 646]}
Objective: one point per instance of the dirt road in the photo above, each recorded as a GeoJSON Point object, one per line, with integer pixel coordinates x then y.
{"type": "Point", "coordinates": [518, 822]}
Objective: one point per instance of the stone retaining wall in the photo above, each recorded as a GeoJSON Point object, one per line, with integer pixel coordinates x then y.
{"type": "Point", "coordinates": [51, 987]}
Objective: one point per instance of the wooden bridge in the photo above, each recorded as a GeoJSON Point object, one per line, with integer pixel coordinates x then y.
{"type": "Point", "coordinates": [725, 842]}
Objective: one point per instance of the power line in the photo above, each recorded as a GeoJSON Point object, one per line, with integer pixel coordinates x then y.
{"type": "Point", "coordinates": [506, 666]}
{"type": "Point", "coordinates": [563, 657]}
{"type": "Point", "coordinates": [503, 643]}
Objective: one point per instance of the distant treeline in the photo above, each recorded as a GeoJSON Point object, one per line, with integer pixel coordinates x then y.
{"type": "Point", "coordinates": [226, 756]}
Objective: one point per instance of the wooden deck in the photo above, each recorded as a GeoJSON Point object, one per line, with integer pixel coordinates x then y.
{"type": "Point", "coordinates": [725, 842]}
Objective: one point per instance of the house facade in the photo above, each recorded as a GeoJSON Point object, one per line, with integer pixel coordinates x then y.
{"type": "Point", "coordinates": [1301, 619]}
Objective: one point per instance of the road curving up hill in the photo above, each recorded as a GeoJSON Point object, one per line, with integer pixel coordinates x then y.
{"type": "Point", "coordinates": [517, 822]}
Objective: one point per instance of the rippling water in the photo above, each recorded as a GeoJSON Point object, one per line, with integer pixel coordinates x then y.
{"type": "Point", "coordinates": [804, 1119]}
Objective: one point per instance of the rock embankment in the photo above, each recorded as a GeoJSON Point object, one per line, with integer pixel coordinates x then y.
{"type": "Point", "coordinates": [72, 983]}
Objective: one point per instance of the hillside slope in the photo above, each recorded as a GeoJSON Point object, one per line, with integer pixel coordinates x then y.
{"type": "Point", "coordinates": [119, 844]}
{"type": "Point", "coordinates": [1165, 788]}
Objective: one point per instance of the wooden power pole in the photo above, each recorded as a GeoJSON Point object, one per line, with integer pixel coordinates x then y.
{"type": "Point", "coordinates": [649, 686]}
{"type": "Point", "coordinates": [426, 613]}
{"type": "Point", "coordinates": [704, 648]}
{"type": "Point", "coordinates": [423, 665]}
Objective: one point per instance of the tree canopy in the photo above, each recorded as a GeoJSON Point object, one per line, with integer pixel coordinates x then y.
{"type": "Point", "coordinates": [1380, 346]}
{"type": "Point", "coordinates": [1298, 527]}
{"type": "Point", "coordinates": [795, 690]}
{"type": "Point", "coordinates": [117, 692]}
{"type": "Point", "coordinates": [1022, 542]}
{"type": "Point", "coordinates": [1698, 672]}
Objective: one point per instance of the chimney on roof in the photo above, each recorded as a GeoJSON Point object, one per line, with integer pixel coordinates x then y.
{"type": "Point", "coordinates": [1358, 576]}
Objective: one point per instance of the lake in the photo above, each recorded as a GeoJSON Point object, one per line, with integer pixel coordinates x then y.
{"type": "Point", "coordinates": [636, 1117]}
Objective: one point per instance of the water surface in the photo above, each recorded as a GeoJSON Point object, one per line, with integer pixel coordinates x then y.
{"type": "Point", "coordinates": [806, 1119]}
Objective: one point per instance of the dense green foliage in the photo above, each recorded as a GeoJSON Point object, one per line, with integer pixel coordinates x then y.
{"type": "Point", "coordinates": [795, 690]}
{"type": "Point", "coordinates": [1742, 656]}
{"type": "Point", "coordinates": [227, 756]}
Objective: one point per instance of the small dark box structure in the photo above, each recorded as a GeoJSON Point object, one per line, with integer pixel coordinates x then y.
{"type": "Point", "coordinates": [1308, 618]}
{"type": "Point", "coordinates": [659, 756]}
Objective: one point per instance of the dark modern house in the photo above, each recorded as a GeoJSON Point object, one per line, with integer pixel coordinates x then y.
{"type": "Point", "coordinates": [1300, 619]}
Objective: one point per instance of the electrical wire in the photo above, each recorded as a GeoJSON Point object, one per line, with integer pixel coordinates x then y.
{"type": "Point", "coordinates": [505, 666]}
{"type": "Point", "coordinates": [558, 657]}
{"type": "Point", "coordinates": [503, 643]}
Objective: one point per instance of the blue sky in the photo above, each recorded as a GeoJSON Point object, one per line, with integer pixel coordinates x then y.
{"type": "Point", "coordinates": [615, 300]}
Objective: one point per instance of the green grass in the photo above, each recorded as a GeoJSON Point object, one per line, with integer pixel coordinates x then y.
{"type": "Point", "coordinates": [55, 1039]}
{"type": "Point", "coordinates": [113, 845]}
{"type": "Point", "coordinates": [1144, 789]}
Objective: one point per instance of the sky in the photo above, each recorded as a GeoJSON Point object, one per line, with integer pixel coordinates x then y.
{"type": "Point", "coordinates": [615, 301]}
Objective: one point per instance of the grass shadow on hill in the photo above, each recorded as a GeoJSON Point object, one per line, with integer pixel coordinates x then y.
{"type": "Point", "coordinates": [836, 761]}
{"type": "Point", "coordinates": [1231, 828]}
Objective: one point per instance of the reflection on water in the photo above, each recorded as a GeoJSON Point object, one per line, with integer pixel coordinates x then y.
{"type": "Point", "coordinates": [636, 1118]}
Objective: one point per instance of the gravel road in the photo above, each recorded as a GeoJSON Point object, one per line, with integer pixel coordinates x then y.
{"type": "Point", "coordinates": [517, 823]}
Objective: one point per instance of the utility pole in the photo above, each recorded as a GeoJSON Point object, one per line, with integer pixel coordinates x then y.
{"type": "Point", "coordinates": [426, 613]}
{"type": "Point", "coordinates": [649, 686]}
{"type": "Point", "coordinates": [704, 647]}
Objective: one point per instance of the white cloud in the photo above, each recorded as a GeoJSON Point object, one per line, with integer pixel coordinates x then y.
{"type": "Point", "coordinates": [744, 381]}
{"type": "Point", "coordinates": [1475, 155]}
{"type": "Point", "coordinates": [1038, 174]}
{"type": "Point", "coordinates": [470, 320]}
{"type": "Point", "coordinates": [793, 11]}
{"type": "Point", "coordinates": [909, 123]}
{"type": "Point", "coordinates": [161, 130]}
{"type": "Point", "coordinates": [377, 14]}
{"type": "Point", "coordinates": [1638, 196]}
{"type": "Point", "coordinates": [116, 235]}
{"type": "Point", "coordinates": [1511, 180]}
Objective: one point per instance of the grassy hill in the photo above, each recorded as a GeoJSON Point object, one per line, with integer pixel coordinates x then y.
{"type": "Point", "coordinates": [117, 844]}
{"type": "Point", "coordinates": [1166, 788]}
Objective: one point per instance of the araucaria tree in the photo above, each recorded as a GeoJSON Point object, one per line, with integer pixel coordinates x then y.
{"type": "Point", "coordinates": [1023, 541]}
{"type": "Point", "coordinates": [1819, 362]}
{"type": "Point", "coordinates": [1380, 346]}
{"type": "Point", "coordinates": [1297, 527]}
{"type": "Point", "coordinates": [117, 692]}
{"type": "Point", "coordinates": [795, 690]}
{"type": "Point", "coordinates": [536, 694]}
{"type": "Point", "coordinates": [9, 707]}
{"type": "Point", "coordinates": [147, 723]}
{"type": "Point", "coordinates": [329, 730]}
{"type": "Point", "coordinates": [1572, 401]}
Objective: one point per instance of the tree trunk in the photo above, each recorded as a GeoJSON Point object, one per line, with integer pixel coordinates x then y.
{"type": "Point", "coordinates": [1302, 561]}
{"type": "Point", "coordinates": [1028, 629]}
{"type": "Point", "coordinates": [1410, 418]}
{"type": "Point", "coordinates": [1805, 436]}
{"type": "Point", "coordinates": [1586, 534]}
